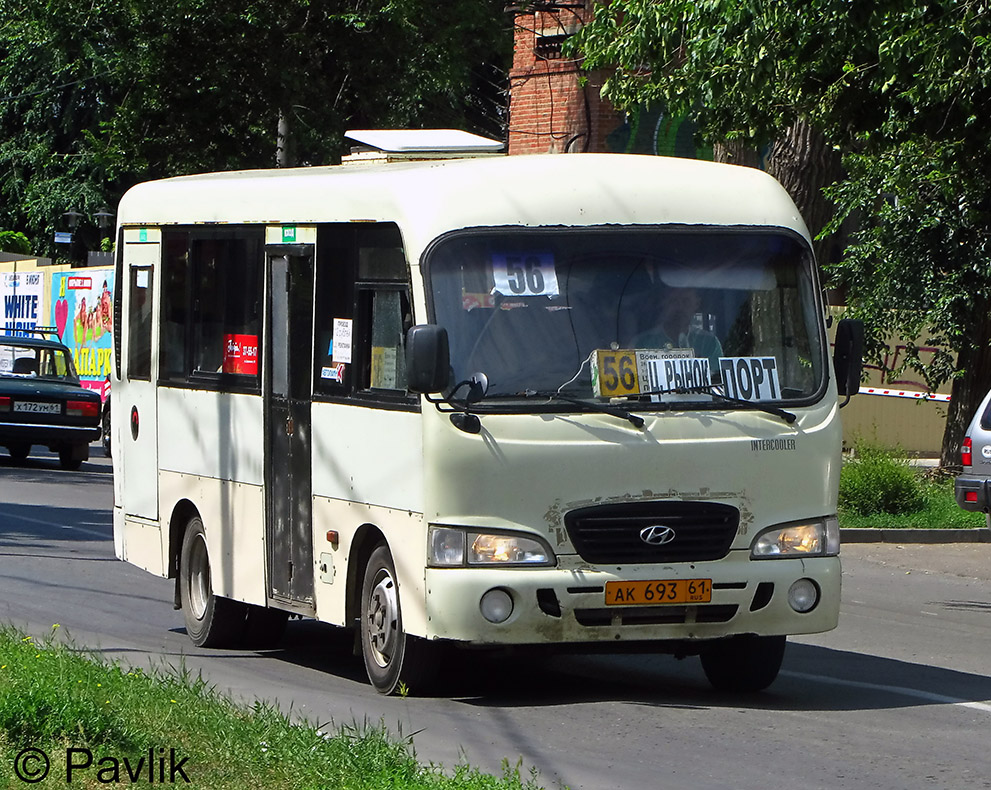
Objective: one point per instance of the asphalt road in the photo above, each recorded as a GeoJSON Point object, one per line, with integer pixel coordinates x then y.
{"type": "Point", "coordinates": [899, 696]}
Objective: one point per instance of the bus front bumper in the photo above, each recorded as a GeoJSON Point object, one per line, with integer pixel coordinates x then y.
{"type": "Point", "coordinates": [568, 604]}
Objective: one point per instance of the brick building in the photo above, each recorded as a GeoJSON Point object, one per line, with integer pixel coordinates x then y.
{"type": "Point", "coordinates": [553, 110]}
{"type": "Point", "coordinates": [550, 111]}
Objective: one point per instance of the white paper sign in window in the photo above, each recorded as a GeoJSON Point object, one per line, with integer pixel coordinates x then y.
{"type": "Point", "coordinates": [342, 341]}
{"type": "Point", "coordinates": [750, 378]}
{"type": "Point", "coordinates": [524, 274]}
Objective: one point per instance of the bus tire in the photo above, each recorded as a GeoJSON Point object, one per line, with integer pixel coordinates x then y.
{"type": "Point", "coordinates": [743, 664]}
{"type": "Point", "coordinates": [211, 621]}
{"type": "Point", "coordinates": [394, 660]}
{"type": "Point", "coordinates": [105, 433]}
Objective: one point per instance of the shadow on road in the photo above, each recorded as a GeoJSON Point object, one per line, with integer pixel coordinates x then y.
{"type": "Point", "coordinates": [47, 469]}
{"type": "Point", "coordinates": [34, 526]}
{"type": "Point", "coordinates": [812, 679]}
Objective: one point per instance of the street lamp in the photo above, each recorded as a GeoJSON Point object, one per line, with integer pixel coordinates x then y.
{"type": "Point", "coordinates": [72, 218]}
{"type": "Point", "coordinates": [103, 218]}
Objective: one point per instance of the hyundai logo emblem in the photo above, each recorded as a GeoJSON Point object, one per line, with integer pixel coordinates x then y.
{"type": "Point", "coordinates": [657, 535]}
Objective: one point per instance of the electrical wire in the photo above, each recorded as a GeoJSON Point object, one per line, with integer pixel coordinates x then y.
{"type": "Point", "coordinates": [55, 87]}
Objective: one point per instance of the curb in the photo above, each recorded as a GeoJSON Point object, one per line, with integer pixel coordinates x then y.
{"type": "Point", "coordinates": [977, 535]}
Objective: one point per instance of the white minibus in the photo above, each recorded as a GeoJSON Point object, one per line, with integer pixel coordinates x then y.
{"type": "Point", "coordinates": [451, 399]}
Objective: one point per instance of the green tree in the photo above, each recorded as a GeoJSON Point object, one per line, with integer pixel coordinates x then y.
{"type": "Point", "coordinates": [96, 95]}
{"type": "Point", "coordinates": [900, 89]}
{"type": "Point", "coordinates": [14, 241]}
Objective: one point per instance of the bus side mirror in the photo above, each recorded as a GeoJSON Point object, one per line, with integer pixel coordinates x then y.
{"type": "Point", "coordinates": [848, 356]}
{"type": "Point", "coordinates": [428, 359]}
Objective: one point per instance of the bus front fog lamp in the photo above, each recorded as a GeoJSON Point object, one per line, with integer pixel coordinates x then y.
{"type": "Point", "coordinates": [819, 538]}
{"type": "Point", "coordinates": [803, 596]}
{"type": "Point", "coordinates": [496, 605]}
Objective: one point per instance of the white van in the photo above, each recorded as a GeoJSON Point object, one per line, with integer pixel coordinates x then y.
{"type": "Point", "coordinates": [579, 401]}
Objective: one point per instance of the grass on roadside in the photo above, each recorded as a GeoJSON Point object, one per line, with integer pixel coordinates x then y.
{"type": "Point", "coordinates": [939, 511]}
{"type": "Point", "coordinates": [55, 697]}
{"type": "Point", "coordinates": [878, 488]}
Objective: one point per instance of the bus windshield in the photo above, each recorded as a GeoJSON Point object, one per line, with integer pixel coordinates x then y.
{"type": "Point", "coordinates": [641, 314]}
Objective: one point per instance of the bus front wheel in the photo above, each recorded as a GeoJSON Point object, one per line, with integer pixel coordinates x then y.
{"type": "Point", "coordinates": [211, 621]}
{"type": "Point", "coordinates": [744, 663]}
{"type": "Point", "coordinates": [394, 660]}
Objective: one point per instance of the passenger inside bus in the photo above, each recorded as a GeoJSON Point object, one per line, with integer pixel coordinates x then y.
{"type": "Point", "coordinates": [680, 325]}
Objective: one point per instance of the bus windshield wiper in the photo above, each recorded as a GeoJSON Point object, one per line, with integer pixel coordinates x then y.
{"type": "Point", "coordinates": [589, 405]}
{"type": "Point", "coordinates": [710, 389]}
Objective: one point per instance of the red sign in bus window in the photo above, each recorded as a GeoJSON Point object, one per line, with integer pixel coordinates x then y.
{"type": "Point", "coordinates": [241, 354]}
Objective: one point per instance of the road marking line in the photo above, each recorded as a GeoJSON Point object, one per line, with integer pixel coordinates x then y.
{"type": "Point", "coordinates": [908, 692]}
{"type": "Point", "coordinates": [64, 526]}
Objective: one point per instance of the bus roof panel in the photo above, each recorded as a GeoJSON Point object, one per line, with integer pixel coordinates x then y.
{"type": "Point", "coordinates": [427, 199]}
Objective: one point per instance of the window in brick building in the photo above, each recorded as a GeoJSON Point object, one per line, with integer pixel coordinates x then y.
{"type": "Point", "coordinates": [549, 47]}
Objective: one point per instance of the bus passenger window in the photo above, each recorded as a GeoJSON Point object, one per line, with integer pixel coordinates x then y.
{"type": "Point", "coordinates": [362, 290]}
{"type": "Point", "coordinates": [390, 318]}
{"type": "Point", "coordinates": [139, 332]}
{"type": "Point", "coordinates": [172, 346]}
{"type": "Point", "coordinates": [211, 312]}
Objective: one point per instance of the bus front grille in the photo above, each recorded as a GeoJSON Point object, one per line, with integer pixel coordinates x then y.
{"type": "Point", "coordinates": [653, 532]}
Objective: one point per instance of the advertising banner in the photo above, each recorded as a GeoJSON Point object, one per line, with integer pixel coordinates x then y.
{"type": "Point", "coordinates": [22, 294]}
{"type": "Point", "coordinates": [82, 312]}
{"type": "Point", "coordinates": [241, 354]}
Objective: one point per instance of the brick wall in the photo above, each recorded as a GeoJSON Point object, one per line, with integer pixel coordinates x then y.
{"type": "Point", "coordinates": [550, 111]}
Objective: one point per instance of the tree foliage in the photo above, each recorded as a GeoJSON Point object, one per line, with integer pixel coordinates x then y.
{"type": "Point", "coordinates": [900, 88]}
{"type": "Point", "coordinates": [96, 95]}
{"type": "Point", "coordinates": [15, 242]}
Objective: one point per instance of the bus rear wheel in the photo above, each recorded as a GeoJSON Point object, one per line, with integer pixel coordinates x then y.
{"type": "Point", "coordinates": [743, 664]}
{"type": "Point", "coordinates": [211, 621]}
{"type": "Point", "coordinates": [394, 660]}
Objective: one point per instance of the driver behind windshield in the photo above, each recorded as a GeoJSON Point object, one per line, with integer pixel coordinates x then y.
{"type": "Point", "coordinates": [679, 326]}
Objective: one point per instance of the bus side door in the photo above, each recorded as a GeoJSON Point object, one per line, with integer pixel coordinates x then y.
{"type": "Point", "coordinates": [287, 392]}
{"type": "Point", "coordinates": [138, 400]}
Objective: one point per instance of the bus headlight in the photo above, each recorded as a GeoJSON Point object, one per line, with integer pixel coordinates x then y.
{"type": "Point", "coordinates": [818, 538]}
{"type": "Point", "coordinates": [455, 547]}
